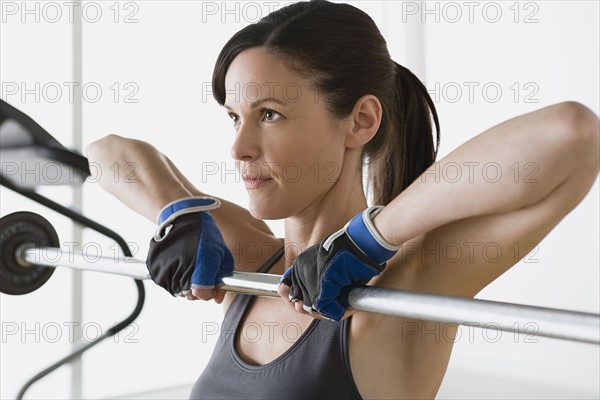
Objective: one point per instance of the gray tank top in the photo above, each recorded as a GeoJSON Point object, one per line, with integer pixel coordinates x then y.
{"type": "Point", "coordinates": [316, 366]}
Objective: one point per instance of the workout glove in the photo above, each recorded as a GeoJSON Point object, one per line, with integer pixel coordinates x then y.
{"type": "Point", "coordinates": [322, 275]}
{"type": "Point", "coordinates": [187, 251]}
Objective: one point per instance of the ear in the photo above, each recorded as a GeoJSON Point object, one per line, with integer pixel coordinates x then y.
{"type": "Point", "coordinates": [364, 121]}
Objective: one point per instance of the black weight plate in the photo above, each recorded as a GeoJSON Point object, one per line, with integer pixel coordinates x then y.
{"type": "Point", "coordinates": [18, 229]}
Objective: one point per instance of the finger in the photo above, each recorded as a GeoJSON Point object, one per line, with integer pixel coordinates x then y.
{"type": "Point", "coordinates": [220, 296]}
{"type": "Point", "coordinates": [190, 296]}
{"type": "Point", "coordinates": [283, 291]}
{"type": "Point", "coordinates": [314, 313]}
{"type": "Point", "coordinates": [332, 310]}
{"type": "Point", "coordinates": [299, 306]}
{"type": "Point", "coordinates": [348, 314]}
{"type": "Point", "coordinates": [204, 294]}
{"type": "Point", "coordinates": [291, 304]}
{"type": "Point", "coordinates": [317, 315]}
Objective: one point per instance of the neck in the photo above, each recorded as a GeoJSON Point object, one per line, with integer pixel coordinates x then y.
{"type": "Point", "coordinates": [323, 217]}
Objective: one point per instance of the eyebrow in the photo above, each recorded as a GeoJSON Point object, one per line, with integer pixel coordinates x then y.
{"type": "Point", "coordinates": [257, 103]}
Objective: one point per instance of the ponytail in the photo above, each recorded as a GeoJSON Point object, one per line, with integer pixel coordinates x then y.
{"type": "Point", "coordinates": [407, 149]}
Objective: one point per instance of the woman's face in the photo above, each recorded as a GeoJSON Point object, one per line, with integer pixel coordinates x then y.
{"type": "Point", "coordinates": [283, 133]}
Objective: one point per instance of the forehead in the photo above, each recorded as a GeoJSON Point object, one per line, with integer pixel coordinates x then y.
{"type": "Point", "coordinates": [255, 74]}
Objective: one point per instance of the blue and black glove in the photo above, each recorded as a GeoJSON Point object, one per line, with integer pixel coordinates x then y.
{"type": "Point", "coordinates": [188, 251]}
{"type": "Point", "coordinates": [323, 274]}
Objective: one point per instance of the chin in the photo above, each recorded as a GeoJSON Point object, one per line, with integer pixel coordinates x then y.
{"type": "Point", "coordinates": [266, 211]}
{"type": "Point", "coordinates": [264, 214]}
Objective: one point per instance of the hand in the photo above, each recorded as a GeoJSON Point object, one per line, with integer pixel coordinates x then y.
{"type": "Point", "coordinates": [322, 275]}
{"type": "Point", "coordinates": [188, 256]}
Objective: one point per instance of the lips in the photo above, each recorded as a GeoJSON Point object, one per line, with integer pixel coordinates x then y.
{"type": "Point", "coordinates": [255, 183]}
{"type": "Point", "coordinates": [256, 178]}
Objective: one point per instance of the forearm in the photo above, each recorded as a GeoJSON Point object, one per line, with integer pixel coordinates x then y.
{"type": "Point", "coordinates": [136, 173]}
{"type": "Point", "coordinates": [510, 166]}
{"type": "Point", "coordinates": [148, 181]}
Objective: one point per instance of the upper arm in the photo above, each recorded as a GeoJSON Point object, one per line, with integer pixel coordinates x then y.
{"type": "Point", "coordinates": [250, 240]}
{"type": "Point", "coordinates": [464, 256]}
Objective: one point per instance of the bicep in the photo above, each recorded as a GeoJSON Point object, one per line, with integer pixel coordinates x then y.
{"type": "Point", "coordinates": [250, 244]}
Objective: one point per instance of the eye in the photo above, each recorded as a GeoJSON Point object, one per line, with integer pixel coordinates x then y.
{"type": "Point", "coordinates": [270, 115]}
{"type": "Point", "coordinates": [234, 118]}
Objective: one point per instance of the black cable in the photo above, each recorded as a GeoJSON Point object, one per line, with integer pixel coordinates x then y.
{"type": "Point", "coordinates": [112, 331]}
{"type": "Point", "coordinates": [67, 212]}
{"type": "Point", "coordinates": [82, 220]}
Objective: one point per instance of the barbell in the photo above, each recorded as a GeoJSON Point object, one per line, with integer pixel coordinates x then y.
{"type": "Point", "coordinates": [30, 253]}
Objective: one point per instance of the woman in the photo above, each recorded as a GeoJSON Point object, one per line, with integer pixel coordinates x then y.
{"type": "Point", "coordinates": [314, 95]}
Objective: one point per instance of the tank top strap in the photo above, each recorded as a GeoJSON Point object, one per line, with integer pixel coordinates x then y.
{"type": "Point", "coordinates": [271, 261]}
{"type": "Point", "coordinates": [241, 300]}
{"type": "Point", "coordinates": [322, 350]}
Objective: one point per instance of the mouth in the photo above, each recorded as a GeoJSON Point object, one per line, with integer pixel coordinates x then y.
{"type": "Point", "coordinates": [256, 183]}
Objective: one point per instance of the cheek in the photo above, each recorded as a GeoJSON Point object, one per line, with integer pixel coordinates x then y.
{"type": "Point", "coordinates": [326, 158]}
{"type": "Point", "coordinates": [305, 170]}
{"type": "Point", "coordinates": [312, 163]}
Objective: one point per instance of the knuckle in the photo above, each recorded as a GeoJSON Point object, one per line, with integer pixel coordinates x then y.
{"type": "Point", "coordinates": [282, 290]}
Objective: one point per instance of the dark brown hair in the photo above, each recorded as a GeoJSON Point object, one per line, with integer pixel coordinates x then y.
{"type": "Point", "coordinates": [340, 49]}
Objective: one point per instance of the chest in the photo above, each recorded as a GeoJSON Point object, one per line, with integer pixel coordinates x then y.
{"type": "Point", "coordinates": [267, 330]}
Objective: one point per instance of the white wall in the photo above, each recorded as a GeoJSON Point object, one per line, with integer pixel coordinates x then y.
{"type": "Point", "coordinates": [29, 53]}
{"type": "Point", "coordinates": [163, 56]}
{"type": "Point", "coordinates": [551, 54]}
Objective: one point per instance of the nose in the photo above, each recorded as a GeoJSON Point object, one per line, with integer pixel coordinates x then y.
{"type": "Point", "coordinates": [246, 146]}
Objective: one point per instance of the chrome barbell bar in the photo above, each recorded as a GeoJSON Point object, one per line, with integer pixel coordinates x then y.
{"type": "Point", "coordinates": [523, 319]}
